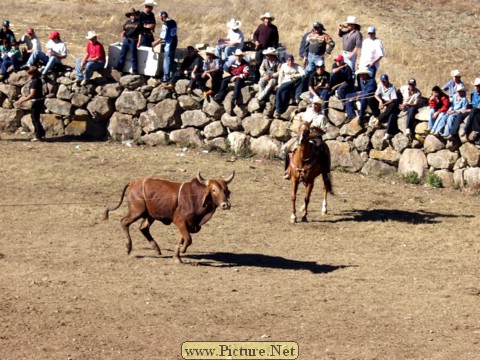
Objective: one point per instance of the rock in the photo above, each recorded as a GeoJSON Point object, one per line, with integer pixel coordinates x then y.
{"type": "Point", "coordinates": [64, 93]}
{"type": "Point", "coordinates": [362, 142]}
{"type": "Point", "coordinates": [100, 108]}
{"type": "Point", "coordinates": [217, 144]}
{"type": "Point", "coordinates": [111, 91]}
{"type": "Point", "coordinates": [19, 79]}
{"type": "Point", "coordinates": [10, 91]}
{"type": "Point", "coordinates": [472, 176]}
{"type": "Point", "coordinates": [164, 115]}
{"type": "Point", "coordinates": [238, 142]}
{"type": "Point", "coordinates": [214, 130]}
{"type": "Point", "coordinates": [132, 82]}
{"type": "Point", "coordinates": [265, 146]}
{"type": "Point", "coordinates": [400, 142]}
{"type": "Point", "coordinates": [413, 160]}
{"type": "Point", "coordinates": [423, 114]}
{"type": "Point", "coordinates": [82, 115]}
{"type": "Point", "coordinates": [159, 94]}
{"type": "Point", "coordinates": [446, 177]}
{"type": "Point", "coordinates": [389, 155]}
{"type": "Point", "coordinates": [156, 138]}
{"type": "Point", "coordinates": [122, 127]}
{"type": "Point", "coordinates": [254, 106]}
{"type": "Point", "coordinates": [181, 86]}
{"type": "Point", "coordinates": [471, 153]}
{"type": "Point", "coordinates": [10, 120]}
{"type": "Point", "coordinates": [58, 106]}
{"type": "Point", "coordinates": [352, 128]}
{"type": "Point", "coordinates": [377, 139]}
{"type": "Point", "coordinates": [376, 167]}
{"type": "Point", "coordinates": [52, 124]}
{"type": "Point", "coordinates": [345, 156]}
{"type": "Point", "coordinates": [196, 118]}
{"type": "Point", "coordinates": [256, 125]}
{"type": "Point", "coordinates": [131, 102]}
{"type": "Point", "coordinates": [80, 100]}
{"type": "Point", "coordinates": [232, 122]}
{"type": "Point", "coordinates": [332, 132]}
{"type": "Point", "coordinates": [433, 144]}
{"type": "Point", "coordinates": [186, 137]}
{"type": "Point", "coordinates": [280, 130]}
{"type": "Point", "coordinates": [443, 159]}
{"type": "Point", "coordinates": [188, 103]}
{"type": "Point", "coordinates": [213, 109]}
{"type": "Point", "coordinates": [458, 180]}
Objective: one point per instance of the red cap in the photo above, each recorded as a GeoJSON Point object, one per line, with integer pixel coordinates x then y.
{"type": "Point", "coordinates": [54, 34]}
{"type": "Point", "coordinates": [339, 57]}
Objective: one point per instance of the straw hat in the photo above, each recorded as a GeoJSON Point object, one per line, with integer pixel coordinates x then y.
{"type": "Point", "coordinates": [131, 12]}
{"type": "Point", "coordinates": [149, 3]}
{"type": "Point", "coordinates": [210, 50]}
{"type": "Point", "coordinates": [270, 51]}
{"type": "Point", "coordinates": [234, 24]}
{"type": "Point", "coordinates": [363, 71]}
{"type": "Point", "coordinates": [91, 35]}
{"type": "Point", "coordinates": [238, 52]}
{"type": "Point", "coordinates": [460, 87]}
{"type": "Point", "coordinates": [476, 82]}
{"type": "Point", "coordinates": [351, 20]}
{"type": "Point", "coordinates": [267, 15]}
{"type": "Point", "coordinates": [317, 100]}
{"type": "Point", "coordinates": [456, 73]}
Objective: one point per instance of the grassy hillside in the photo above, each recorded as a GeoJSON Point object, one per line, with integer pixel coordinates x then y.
{"type": "Point", "coordinates": [425, 40]}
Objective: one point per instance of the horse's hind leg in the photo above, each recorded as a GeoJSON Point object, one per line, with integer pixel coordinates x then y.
{"type": "Point", "coordinates": [308, 192]}
{"type": "Point", "coordinates": [145, 229]}
{"type": "Point", "coordinates": [293, 189]}
{"type": "Point", "coordinates": [324, 202]}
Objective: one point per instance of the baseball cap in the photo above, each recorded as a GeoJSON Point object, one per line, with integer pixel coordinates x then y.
{"type": "Point", "coordinates": [339, 57]}
{"type": "Point", "coordinates": [371, 29]}
{"type": "Point", "coordinates": [6, 23]}
{"type": "Point", "coordinates": [289, 57]}
{"type": "Point", "coordinates": [163, 14]}
{"type": "Point", "coordinates": [54, 34]}
{"type": "Point", "coordinates": [412, 82]}
{"type": "Point", "coordinates": [318, 24]}
{"type": "Point", "coordinates": [384, 77]}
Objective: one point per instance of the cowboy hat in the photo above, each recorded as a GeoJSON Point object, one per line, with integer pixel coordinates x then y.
{"type": "Point", "coordinates": [131, 12]}
{"type": "Point", "coordinates": [476, 82]}
{"type": "Point", "coordinates": [351, 20]}
{"type": "Point", "coordinates": [210, 50]}
{"type": "Point", "coordinates": [363, 71]}
{"type": "Point", "coordinates": [317, 100]}
{"type": "Point", "coordinates": [91, 35]}
{"type": "Point", "coordinates": [318, 24]}
{"type": "Point", "coordinates": [234, 24]}
{"type": "Point", "coordinates": [270, 51]}
{"type": "Point", "coordinates": [456, 73]}
{"type": "Point", "coordinates": [149, 3]}
{"type": "Point", "coordinates": [267, 15]}
{"type": "Point", "coordinates": [238, 52]}
{"type": "Point", "coordinates": [460, 87]}
{"type": "Point", "coordinates": [200, 46]}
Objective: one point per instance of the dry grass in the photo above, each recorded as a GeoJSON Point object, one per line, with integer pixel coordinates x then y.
{"type": "Point", "coordinates": [425, 40]}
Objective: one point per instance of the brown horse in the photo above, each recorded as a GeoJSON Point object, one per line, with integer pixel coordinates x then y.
{"type": "Point", "coordinates": [306, 163]}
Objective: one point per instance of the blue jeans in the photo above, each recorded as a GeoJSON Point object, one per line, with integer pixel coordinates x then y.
{"type": "Point", "coordinates": [128, 45]}
{"type": "Point", "coordinates": [364, 102]}
{"type": "Point", "coordinates": [90, 67]}
{"type": "Point", "coordinates": [7, 62]}
{"type": "Point", "coordinates": [411, 112]}
{"type": "Point", "coordinates": [228, 50]}
{"type": "Point", "coordinates": [168, 59]}
{"type": "Point", "coordinates": [222, 93]}
{"type": "Point", "coordinates": [453, 123]}
{"type": "Point", "coordinates": [284, 94]}
{"type": "Point", "coordinates": [432, 123]}
{"type": "Point", "coordinates": [50, 61]}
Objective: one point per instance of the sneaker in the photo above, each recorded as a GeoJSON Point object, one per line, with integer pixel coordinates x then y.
{"type": "Point", "coordinates": [189, 91]}
{"type": "Point", "coordinates": [276, 115]}
{"type": "Point", "coordinates": [84, 82]}
{"type": "Point", "coordinates": [207, 93]}
{"type": "Point", "coordinates": [462, 133]}
{"type": "Point", "coordinates": [408, 132]}
{"type": "Point", "coordinates": [386, 137]}
{"type": "Point", "coordinates": [169, 86]}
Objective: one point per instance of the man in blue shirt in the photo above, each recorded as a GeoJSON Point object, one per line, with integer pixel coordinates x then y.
{"type": "Point", "coordinates": [366, 96]}
{"type": "Point", "coordinates": [168, 36]}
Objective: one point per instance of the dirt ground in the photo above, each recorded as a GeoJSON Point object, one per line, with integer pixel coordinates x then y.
{"type": "Point", "coordinates": [392, 272]}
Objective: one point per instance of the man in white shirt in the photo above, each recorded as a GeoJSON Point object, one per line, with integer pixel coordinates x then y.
{"type": "Point", "coordinates": [372, 52]}
{"type": "Point", "coordinates": [56, 51]}
{"type": "Point", "coordinates": [232, 42]}
{"type": "Point", "coordinates": [386, 96]}
{"type": "Point", "coordinates": [410, 103]}
{"type": "Point", "coordinates": [32, 42]}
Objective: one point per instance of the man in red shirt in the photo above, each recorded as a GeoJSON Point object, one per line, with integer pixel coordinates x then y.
{"type": "Point", "coordinates": [94, 59]}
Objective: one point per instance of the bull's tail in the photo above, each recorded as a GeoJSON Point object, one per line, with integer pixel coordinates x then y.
{"type": "Point", "coordinates": [107, 210]}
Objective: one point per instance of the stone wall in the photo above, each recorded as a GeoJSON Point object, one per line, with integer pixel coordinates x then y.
{"type": "Point", "coordinates": [141, 110]}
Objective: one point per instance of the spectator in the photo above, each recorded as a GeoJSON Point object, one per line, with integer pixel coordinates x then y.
{"type": "Point", "coordinates": [317, 45]}
{"type": "Point", "coordinates": [289, 81]}
{"type": "Point", "coordinates": [473, 120]}
{"type": "Point", "coordinates": [341, 78]}
{"type": "Point", "coordinates": [239, 71]}
{"type": "Point", "coordinates": [439, 104]}
{"type": "Point", "coordinates": [10, 56]}
{"type": "Point", "coordinates": [213, 71]}
{"type": "Point", "coordinates": [6, 32]}
{"type": "Point", "coordinates": [189, 69]}
{"type": "Point", "coordinates": [458, 107]}
{"type": "Point", "coordinates": [131, 39]}
{"type": "Point", "coordinates": [36, 95]}
{"type": "Point", "coordinates": [168, 36]}
{"type": "Point", "coordinates": [365, 95]}
{"type": "Point", "coordinates": [32, 42]}
{"type": "Point", "coordinates": [233, 41]}
{"type": "Point", "coordinates": [303, 44]}
{"type": "Point", "coordinates": [386, 95]}
{"type": "Point", "coordinates": [372, 52]}
{"type": "Point", "coordinates": [349, 31]}
{"type": "Point", "coordinates": [269, 71]}
{"type": "Point", "coordinates": [94, 59]}
{"type": "Point", "coordinates": [146, 18]}
{"type": "Point", "coordinates": [56, 52]}
{"type": "Point", "coordinates": [318, 85]}
{"type": "Point", "coordinates": [451, 84]}
{"type": "Point", "coordinates": [265, 36]}
{"type": "Point", "coordinates": [411, 99]}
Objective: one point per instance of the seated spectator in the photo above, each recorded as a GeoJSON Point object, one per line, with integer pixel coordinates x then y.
{"type": "Point", "coordinates": [372, 52]}
{"type": "Point", "coordinates": [233, 41]}
{"type": "Point", "coordinates": [269, 71]}
{"type": "Point", "coordinates": [6, 32]}
{"type": "Point", "coordinates": [289, 81]}
{"type": "Point", "coordinates": [32, 42]}
{"type": "Point", "coordinates": [341, 78]}
{"type": "Point", "coordinates": [451, 84]}
{"type": "Point", "coordinates": [411, 98]}
{"type": "Point", "coordinates": [130, 41]}
{"type": "Point", "coordinates": [439, 104]}
{"type": "Point", "coordinates": [239, 71]}
{"type": "Point", "coordinates": [189, 69]}
{"type": "Point", "coordinates": [94, 59]}
{"type": "Point", "coordinates": [365, 95]}
{"type": "Point", "coordinates": [386, 95]}
{"type": "Point", "coordinates": [473, 120]}
{"type": "Point", "coordinates": [10, 56]}
{"type": "Point", "coordinates": [318, 85]}
{"type": "Point", "coordinates": [56, 51]}
{"type": "Point", "coordinates": [317, 45]}
{"type": "Point", "coordinates": [212, 70]}
{"type": "Point", "coordinates": [452, 121]}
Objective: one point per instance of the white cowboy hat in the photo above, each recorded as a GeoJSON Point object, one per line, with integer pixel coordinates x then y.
{"type": "Point", "coordinates": [210, 50]}
{"type": "Point", "coordinates": [363, 71]}
{"type": "Point", "coordinates": [270, 51]}
{"type": "Point", "coordinates": [317, 100]}
{"type": "Point", "coordinates": [267, 15]}
{"type": "Point", "coordinates": [238, 52]}
{"type": "Point", "coordinates": [351, 20]}
{"type": "Point", "coordinates": [200, 46]}
{"type": "Point", "coordinates": [476, 82]}
{"type": "Point", "coordinates": [91, 35]}
{"type": "Point", "coordinates": [234, 24]}
{"type": "Point", "coordinates": [456, 73]}
{"type": "Point", "coordinates": [460, 87]}
{"type": "Point", "coordinates": [149, 3]}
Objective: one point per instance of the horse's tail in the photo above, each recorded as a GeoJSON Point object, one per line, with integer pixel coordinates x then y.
{"type": "Point", "coordinates": [326, 163]}
{"type": "Point", "coordinates": [107, 210]}
{"type": "Point", "coordinates": [327, 182]}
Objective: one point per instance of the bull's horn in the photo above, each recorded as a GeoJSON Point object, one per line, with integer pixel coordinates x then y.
{"type": "Point", "coordinates": [230, 178]}
{"type": "Point", "coordinates": [201, 179]}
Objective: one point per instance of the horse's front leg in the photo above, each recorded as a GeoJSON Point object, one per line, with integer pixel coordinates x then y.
{"type": "Point", "coordinates": [308, 192]}
{"type": "Point", "coordinates": [293, 188]}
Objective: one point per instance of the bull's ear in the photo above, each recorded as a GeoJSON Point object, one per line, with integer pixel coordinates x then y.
{"type": "Point", "coordinates": [207, 199]}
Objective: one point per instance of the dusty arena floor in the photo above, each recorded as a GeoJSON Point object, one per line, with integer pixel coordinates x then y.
{"type": "Point", "coordinates": [391, 273]}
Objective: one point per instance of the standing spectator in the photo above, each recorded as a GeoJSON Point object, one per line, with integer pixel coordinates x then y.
{"type": "Point", "coordinates": [439, 104]}
{"type": "Point", "coordinates": [411, 98]}
{"type": "Point", "coordinates": [189, 69]}
{"type": "Point", "coordinates": [303, 45]}
{"type": "Point", "coordinates": [32, 42]}
{"type": "Point", "coordinates": [386, 95]}
{"type": "Point", "coordinates": [349, 31]}
{"type": "Point", "coordinates": [131, 38]}
{"type": "Point", "coordinates": [147, 22]}
{"type": "Point", "coordinates": [458, 107]}
{"type": "Point", "coordinates": [451, 84]}
{"type": "Point", "coordinates": [56, 52]}
{"type": "Point", "coordinates": [265, 36]}
{"type": "Point", "coordinates": [233, 41]}
{"type": "Point", "coordinates": [372, 52]}
{"type": "Point", "coordinates": [473, 120]}
{"type": "Point", "coordinates": [365, 94]}
{"type": "Point", "coordinates": [290, 81]}
{"type": "Point", "coordinates": [6, 32]}
{"type": "Point", "coordinates": [168, 37]}
{"type": "Point", "coordinates": [213, 71]}
{"type": "Point", "coordinates": [317, 45]}
{"type": "Point", "coordinates": [94, 59]}
{"type": "Point", "coordinates": [10, 56]}
{"type": "Point", "coordinates": [239, 71]}
{"type": "Point", "coordinates": [318, 85]}
{"type": "Point", "coordinates": [341, 78]}
{"type": "Point", "coordinates": [269, 71]}
{"type": "Point", "coordinates": [36, 95]}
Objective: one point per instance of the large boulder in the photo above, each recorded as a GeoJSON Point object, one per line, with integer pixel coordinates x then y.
{"type": "Point", "coordinates": [413, 160]}
{"type": "Point", "coordinates": [265, 146]}
{"type": "Point", "coordinates": [344, 155]}
{"type": "Point", "coordinates": [238, 142]}
{"type": "Point", "coordinates": [443, 159]}
{"type": "Point", "coordinates": [256, 125]}
{"type": "Point", "coordinates": [132, 82]}
{"type": "Point", "coordinates": [165, 115]}
{"type": "Point", "coordinates": [59, 107]}
{"type": "Point", "coordinates": [19, 78]}
{"type": "Point", "coordinates": [214, 130]}
{"type": "Point", "coordinates": [472, 176]}
{"type": "Point", "coordinates": [10, 120]}
{"type": "Point", "coordinates": [123, 127]}
{"type": "Point", "coordinates": [376, 167]}
{"type": "Point", "coordinates": [471, 153]}
{"type": "Point", "coordinates": [188, 136]}
{"type": "Point", "coordinates": [280, 130]}
{"type": "Point", "coordinates": [196, 118]}
{"type": "Point", "coordinates": [446, 177]}
{"type": "Point", "coordinates": [232, 122]}
{"type": "Point", "coordinates": [131, 102]}
{"type": "Point", "coordinates": [388, 155]}
{"type": "Point", "coordinates": [213, 109]}
{"type": "Point", "coordinates": [111, 91]}
{"type": "Point", "coordinates": [51, 123]}
{"type": "Point", "coordinates": [10, 91]}
{"type": "Point", "coordinates": [156, 138]}
{"type": "Point", "coordinates": [188, 103]}
{"type": "Point", "coordinates": [159, 94]}
{"type": "Point", "coordinates": [64, 92]}
{"type": "Point", "coordinates": [80, 100]}
{"type": "Point", "coordinates": [100, 108]}
{"type": "Point", "coordinates": [433, 144]}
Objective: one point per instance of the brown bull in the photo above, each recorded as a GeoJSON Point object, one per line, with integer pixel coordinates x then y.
{"type": "Point", "coordinates": [188, 205]}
